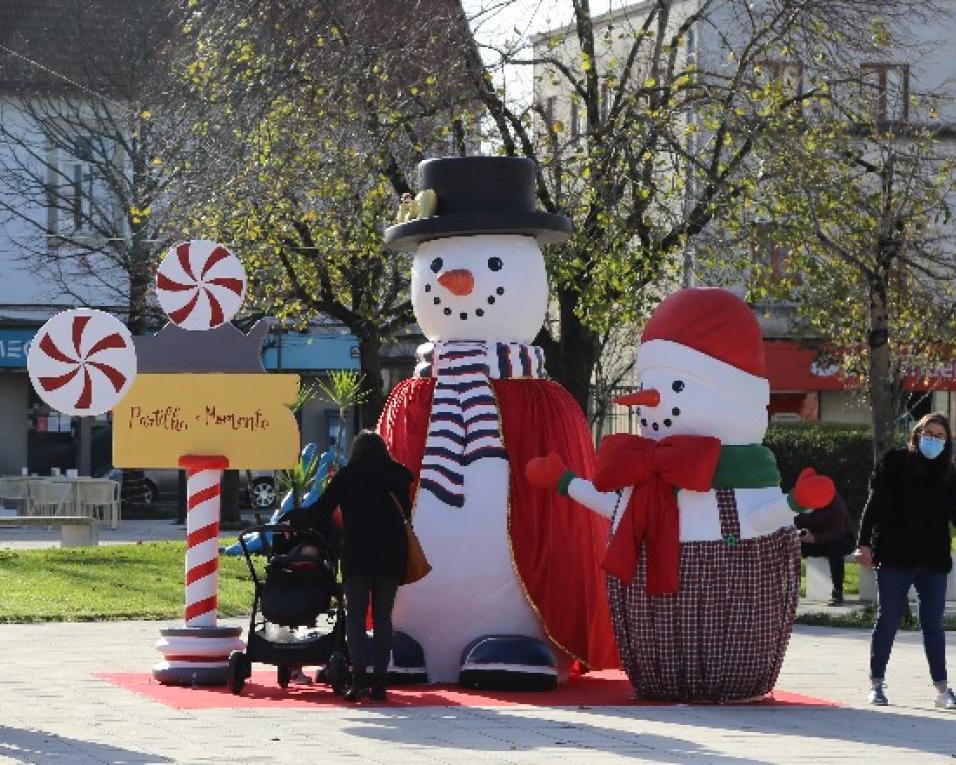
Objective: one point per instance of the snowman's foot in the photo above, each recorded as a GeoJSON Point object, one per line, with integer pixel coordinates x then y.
{"type": "Point", "coordinates": [407, 666]}
{"type": "Point", "coordinates": [508, 663]}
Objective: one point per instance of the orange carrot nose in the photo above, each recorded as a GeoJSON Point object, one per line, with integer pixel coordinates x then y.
{"type": "Point", "coordinates": [646, 397]}
{"type": "Point", "coordinates": [459, 281]}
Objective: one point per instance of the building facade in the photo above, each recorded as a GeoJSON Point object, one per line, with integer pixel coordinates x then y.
{"type": "Point", "coordinates": [893, 78]}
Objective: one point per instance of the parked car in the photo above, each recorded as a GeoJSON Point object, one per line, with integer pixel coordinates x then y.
{"type": "Point", "coordinates": [258, 485]}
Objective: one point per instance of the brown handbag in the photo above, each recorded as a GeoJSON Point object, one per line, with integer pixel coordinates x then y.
{"type": "Point", "coordinates": [416, 564]}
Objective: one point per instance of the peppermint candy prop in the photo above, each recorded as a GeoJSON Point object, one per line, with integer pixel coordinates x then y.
{"type": "Point", "coordinates": [82, 362]}
{"type": "Point", "coordinates": [200, 285]}
{"type": "Point", "coordinates": [203, 403]}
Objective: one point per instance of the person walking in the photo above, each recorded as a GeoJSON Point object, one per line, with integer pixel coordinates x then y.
{"type": "Point", "coordinates": [372, 491]}
{"type": "Point", "coordinates": [905, 535]}
{"type": "Point", "coordinates": [828, 533]}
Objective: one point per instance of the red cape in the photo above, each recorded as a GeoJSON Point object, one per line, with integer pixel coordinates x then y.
{"type": "Point", "coordinates": [557, 547]}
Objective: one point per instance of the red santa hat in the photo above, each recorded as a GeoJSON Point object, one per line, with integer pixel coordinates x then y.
{"type": "Point", "coordinates": [713, 335]}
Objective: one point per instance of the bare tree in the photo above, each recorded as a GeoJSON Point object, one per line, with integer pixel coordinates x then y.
{"type": "Point", "coordinates": [89, 129]}
{"type": "Point", "coordinates": [652, 144]}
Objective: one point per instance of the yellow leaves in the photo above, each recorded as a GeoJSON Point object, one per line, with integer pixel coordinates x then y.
{"type": "Point", "coordinates": [587, 63]}
{"type": "Point", "coordinates": [683, 81]}
{"type": "Point", "coordinates": [650, 82]}
{"type": "Point", "coordinates": [146, 114]}
{"type": "Point", "coordinates": [880, 33]}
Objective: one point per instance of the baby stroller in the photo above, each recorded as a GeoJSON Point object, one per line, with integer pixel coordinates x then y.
{"type": "Point", "coordinates": [296, 591]}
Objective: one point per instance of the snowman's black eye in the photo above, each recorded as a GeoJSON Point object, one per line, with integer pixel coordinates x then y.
{"type": "Point", "coordinates": [437, 263]}
{"type": "Point", "coordinates": [495, 263]}
{"type": "Point", "coordinates": [678, 386]}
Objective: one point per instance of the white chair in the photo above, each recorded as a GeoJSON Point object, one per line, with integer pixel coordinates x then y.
{"type": "Point", "coordinates": [15, 490]}
{"type": "Point", "coordinates": [50, 498]}
{"type": "Point", "coordinates": [101, 500]}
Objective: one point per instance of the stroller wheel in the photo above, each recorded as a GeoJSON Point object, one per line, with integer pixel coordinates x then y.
{"type": "Point", "coordinates": [337, 672]}
{"type": "Point", "coordinates": [283, 675]}
{"type": "Point", "coordinates": [239, 669]}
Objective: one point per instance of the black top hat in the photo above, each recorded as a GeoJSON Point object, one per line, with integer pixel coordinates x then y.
{"type": "Point", "coordinates": [478, 195]}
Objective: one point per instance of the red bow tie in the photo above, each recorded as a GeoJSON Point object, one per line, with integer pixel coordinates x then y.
{"type": "Point", "coordinates": [656, 469]}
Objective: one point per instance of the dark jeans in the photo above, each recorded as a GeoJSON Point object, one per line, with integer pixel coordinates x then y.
{"type": "Point", "coordinates": [834, 552]}
{"type": "Point", "coordinates": [893, 584]}
{"type": "Point", "coordinates": [358, 590]}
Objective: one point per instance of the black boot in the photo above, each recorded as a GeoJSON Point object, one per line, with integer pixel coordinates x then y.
{"type": "Point", "coordinates": [357, 693]}
{"type": "Point", "coordinates": [378, 690]}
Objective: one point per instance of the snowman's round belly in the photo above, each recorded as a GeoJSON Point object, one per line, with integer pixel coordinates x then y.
{"type": "Point", "coordinates": [473, 589]}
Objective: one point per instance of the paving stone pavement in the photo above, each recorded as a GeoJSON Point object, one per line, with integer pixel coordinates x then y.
{"type": "Point", "coordinates": [53, 710]}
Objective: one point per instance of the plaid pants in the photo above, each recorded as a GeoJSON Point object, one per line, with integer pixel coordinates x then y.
{"type": "Point", "coordinates": [723, 637]}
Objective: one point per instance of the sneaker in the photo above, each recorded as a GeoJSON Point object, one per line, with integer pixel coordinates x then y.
{"type": "Point", "coordinates": [378, 693]}
{"type": "Point", "coordinates": [946, 700]}
{"type": "Point", "coordinates": [878, 697]}
{"type": "Point", "coordinates": [836, 600]}
{"type": "Point", "coordinates": [298, 677]}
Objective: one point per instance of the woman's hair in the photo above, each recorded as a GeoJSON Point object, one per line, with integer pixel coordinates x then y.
{"type": "Point", "coordinates": [937, 418]}
{"type": "Point", "coordinates": [943, 463]}
{"type": "Point", "coordinates": [368, 445]}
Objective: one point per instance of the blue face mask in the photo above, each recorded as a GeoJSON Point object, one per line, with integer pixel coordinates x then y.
{"type": "Point", "coordinates": [931, 447]}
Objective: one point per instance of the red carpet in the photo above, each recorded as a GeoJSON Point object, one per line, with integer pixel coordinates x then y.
{"type": "Point", "coordinates": [599, 689]}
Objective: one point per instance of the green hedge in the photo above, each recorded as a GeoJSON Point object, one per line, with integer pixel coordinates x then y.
{"type": "Point", "coordinates": [843, 452]}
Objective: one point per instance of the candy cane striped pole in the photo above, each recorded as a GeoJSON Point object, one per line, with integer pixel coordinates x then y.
{"type": "Point", "coordinates": [198, 653]}
{"type": "Point", "coordinates": [203, 476]}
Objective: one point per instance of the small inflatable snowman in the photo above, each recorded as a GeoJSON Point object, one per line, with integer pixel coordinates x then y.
{"type": "Point", "coordinates": [515, 595]}
{"type": "Point", "coordinates": [703, 560]}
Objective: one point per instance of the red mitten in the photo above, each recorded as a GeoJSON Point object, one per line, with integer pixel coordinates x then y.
{"type": "Point", "coordinates": [545, 472]}
{"type": "Point", "coordinates": [812, 491]}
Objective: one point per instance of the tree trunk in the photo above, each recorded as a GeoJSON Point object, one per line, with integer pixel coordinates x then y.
{"type": "Point", "coordinates": [229, 510]}
{"type": "Point", "coordinates": [370, 348]}
{"type": "Point", "coordinates": [883, 387]}
{"type": "Point", "coordinates": [133, 493]}
{"type": "Point", "coordinates": [572, 357]}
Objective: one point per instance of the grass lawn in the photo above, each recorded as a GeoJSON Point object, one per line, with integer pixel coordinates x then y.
{"type": "Point", "coordinates": [145, 581]}
{"type": "Point", "coordinates": [142, 581]}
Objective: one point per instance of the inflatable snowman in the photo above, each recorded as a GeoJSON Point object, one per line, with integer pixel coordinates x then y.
{"type": "Point", "coordinates": [704, 561]}
{"type": "Point", "coordinates": [516, 594]}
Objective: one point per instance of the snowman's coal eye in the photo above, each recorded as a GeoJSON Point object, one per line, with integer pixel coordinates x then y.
{"type": "Point", "coordinates": [678, 386]}
{"type": "Point", "coordinates": [495, 263]}
{"type": "Point", "coordinates": [437, 263]}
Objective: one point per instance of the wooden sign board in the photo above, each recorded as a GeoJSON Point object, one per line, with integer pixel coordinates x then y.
{"type": "Point", "coordinates": [243, 417]}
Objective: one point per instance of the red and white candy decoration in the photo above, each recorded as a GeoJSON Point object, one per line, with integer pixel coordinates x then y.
{"type": "Point", "coordinates": [200, 284]}
{"type": "Point", "coordinates": [82, 362]}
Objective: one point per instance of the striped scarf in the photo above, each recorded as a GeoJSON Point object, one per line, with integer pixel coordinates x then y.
{"type": "Point", "coordinates": [464, 425]}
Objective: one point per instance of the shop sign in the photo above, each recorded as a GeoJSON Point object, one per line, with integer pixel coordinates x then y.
{"type": "Point", "coordinates": [246, 418]}
{"type": "Point", "coordinates": [14, 345]}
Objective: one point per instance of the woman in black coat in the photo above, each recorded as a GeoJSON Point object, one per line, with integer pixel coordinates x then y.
{"type": "Point", "coordinates": [372, 491]}
{"type": "Point", "coordinates": [905, 534]}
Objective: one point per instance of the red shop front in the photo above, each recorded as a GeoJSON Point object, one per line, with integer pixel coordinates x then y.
{"type": "Point", "coordinates": [801, 388]}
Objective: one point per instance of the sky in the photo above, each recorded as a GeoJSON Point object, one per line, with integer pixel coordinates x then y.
{"type": "Point", "coordinates": [495, 21]}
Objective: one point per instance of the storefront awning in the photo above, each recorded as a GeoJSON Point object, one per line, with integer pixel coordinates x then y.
{"type": "Point", "coordinates": [792, 367]}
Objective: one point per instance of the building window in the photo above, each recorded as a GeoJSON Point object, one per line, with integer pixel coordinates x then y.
{"type": "Point", "coordinates": [773, 257]}
{"type": "Point", "coordinates": [575, 120]}
{"type": "Point", "coordinates": [787, 74]}
{"type": "Point", "coordinates": [885, 89]}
